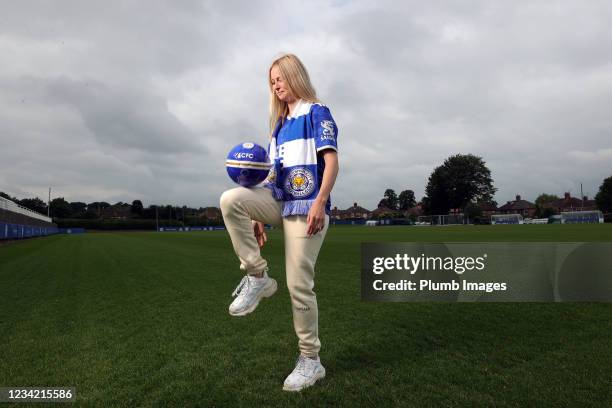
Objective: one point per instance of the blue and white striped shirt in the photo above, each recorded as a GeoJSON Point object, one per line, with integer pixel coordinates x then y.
{"type": "Point", "coordinates": [298, 169]}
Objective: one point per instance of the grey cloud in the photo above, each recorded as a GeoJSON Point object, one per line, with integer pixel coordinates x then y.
{"type": "Point", "coordinates": [124, 117]}
{"type": "Point", "coordinates": [126, 101]}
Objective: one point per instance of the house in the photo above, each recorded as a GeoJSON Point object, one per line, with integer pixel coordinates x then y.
{"type": "Point", "coordinates": [488, 209]}
{"type": "Point", "coordinates": [337, 214]}
{"type": "Point", "coordinates": [518, 206]}
{"type": "Point", "coordinates": [415, 211]}
{"type": "Point", "coordinates": [382, 212]}
{"type": "Point", "coordinates": [211, 213]}
{"type": "Point", "coordinates": [569, 203]}
{"type": "Point", "coordinates": [356, 212]}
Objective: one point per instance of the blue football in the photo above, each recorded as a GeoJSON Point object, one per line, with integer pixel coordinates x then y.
{"type": "Point", "coordinates": [248, 164]}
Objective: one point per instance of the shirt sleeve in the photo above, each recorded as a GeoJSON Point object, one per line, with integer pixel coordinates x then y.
{"type": "Point", "coordinates": [326, 131]}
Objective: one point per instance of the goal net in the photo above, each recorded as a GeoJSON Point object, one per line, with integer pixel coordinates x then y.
{"type": "Point", "coordinates": [506, 219]}
{"type": "Point", "coordinates": [582, 217]}
{"type": "Point", "coordinates": [448, 219]}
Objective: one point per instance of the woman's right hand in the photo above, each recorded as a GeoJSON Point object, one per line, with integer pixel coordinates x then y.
{"type": "Point", "coordinates": [260, 233]}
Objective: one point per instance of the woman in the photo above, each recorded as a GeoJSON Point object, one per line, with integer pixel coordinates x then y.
{"type": "Point", "coordinates": [295, 196]}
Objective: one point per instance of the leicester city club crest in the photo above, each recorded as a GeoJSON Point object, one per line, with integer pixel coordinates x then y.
{"type": "Point", "coordinates": [300, 183]}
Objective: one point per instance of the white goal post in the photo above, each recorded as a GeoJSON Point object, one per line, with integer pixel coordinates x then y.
{"type": "Point", "coordinates": [582, 217]}
{"type": "Point", "coordinates": [442, 219]}
{"type": "Point", "coordinates": [506, 219]}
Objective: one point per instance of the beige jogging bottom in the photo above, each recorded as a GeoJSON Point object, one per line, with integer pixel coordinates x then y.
{"type": "Point", "coordinates": [242, 205]}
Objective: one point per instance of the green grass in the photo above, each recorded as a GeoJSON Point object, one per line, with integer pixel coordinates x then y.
{"type": "Point", "coordinates": [140, 319]}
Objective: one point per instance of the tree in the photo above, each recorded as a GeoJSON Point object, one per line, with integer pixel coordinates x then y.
{"type": "Point", "coordinates": [149, 212]}
{"type": "Point", "coordinates": [545, 198]}
{"type": "Point", "coordinates": [460, 180]}
{"type": "Point", "coordinates": [390, 200]}
{"type": "Point", "coordinates": [60, 208]}
{"type": "Point", "coordinates": [34, 204]}
{"type": "Point", "coordinates": [137, 207]}
{"type": "Point", "coordinates": [472, 210]}
{"type": "Point", "coordinates": [604, 196]}
{"type": "Point", "coordinates": [406, 200]}
{"type": "Point", "coordinates": [97, 207]}
{"type": "Point", "coordinates": [8, 197]}
{"type": "Point", "coordinates": [78, 209]}
{"type": "Point", "coordinates": [543, 211]}
{"type": "Point", "coordinates": [90, 214]}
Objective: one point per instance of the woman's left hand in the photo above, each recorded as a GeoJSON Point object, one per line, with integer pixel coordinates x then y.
{"type": "Point", "coordinates": [316, 218]}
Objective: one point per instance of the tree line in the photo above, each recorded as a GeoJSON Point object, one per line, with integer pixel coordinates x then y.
{"type": "Point", "coordinates": [464, 182]}
{"type": "Point", "coordinates": [60, 208]}
{"type": "Point", "coordinates": [460, 182]}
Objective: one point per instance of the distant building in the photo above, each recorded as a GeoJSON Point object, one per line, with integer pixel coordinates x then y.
{"type": "Point", "coordinates": [211, 213]}
{"type": "Point", "coordinates": [382, 212]}
{"type": "Point", "coordinates": [337, 214]}
{"type": "Point", "coordinates": [415, 211]}
{"type": "Point", "coordinates": [190, 212]}
{"type": "Point", "coordinates": [488, 209]}
{"type": "Point", "coordinates": [569, 203]}
{"type": "Point", "coordinates": [518, 206]}
{"type": "Point", "coordinates": [352, 213]}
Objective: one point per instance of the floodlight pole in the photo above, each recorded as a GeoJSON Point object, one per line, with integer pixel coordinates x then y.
{"type": "Point", "coordinates": [49, 203]}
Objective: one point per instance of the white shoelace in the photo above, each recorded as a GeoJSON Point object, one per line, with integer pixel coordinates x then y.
{"type": "Point", "coordinates": [301, 365]}
{"type": "Point", "coordinates": [244, 282]}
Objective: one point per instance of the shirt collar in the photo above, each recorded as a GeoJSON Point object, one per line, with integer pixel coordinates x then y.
{"type": "Point", "coordinates": [296, 109]}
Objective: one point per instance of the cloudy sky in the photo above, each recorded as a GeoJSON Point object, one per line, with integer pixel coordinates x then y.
{"type": "Point", "coordinates": [118, 101]}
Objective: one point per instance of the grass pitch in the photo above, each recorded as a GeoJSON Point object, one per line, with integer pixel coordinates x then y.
{"type": "Point", "coordinates": [140, 319]}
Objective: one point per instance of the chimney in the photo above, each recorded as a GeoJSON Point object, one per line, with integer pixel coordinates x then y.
{"type": "Point", "coordinates": [518, 197]}
{"type": "Point", "coordinates": [585, 198]}
{"type": "Point", "coordinates": [567, 196]}
{"type": "Point", "coordinates": [354, 205]}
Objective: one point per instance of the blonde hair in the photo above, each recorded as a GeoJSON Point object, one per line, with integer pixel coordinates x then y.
{"type": "Point", "coordinates": [295, 75]}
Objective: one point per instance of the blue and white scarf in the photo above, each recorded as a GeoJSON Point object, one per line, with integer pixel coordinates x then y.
{"type": "Point", "coordinates": [296, 174]}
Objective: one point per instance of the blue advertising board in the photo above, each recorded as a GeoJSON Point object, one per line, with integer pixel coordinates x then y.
{"type": "Point", "coordinates": [196, 228]}
{"type": "Point", "coordinates": [16, 231]}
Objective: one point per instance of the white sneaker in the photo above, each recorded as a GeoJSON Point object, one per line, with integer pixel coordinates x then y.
{"type": "Point", "coordinates": [306, 373]}
{"type": "Point", "coordinates": [249, 292]}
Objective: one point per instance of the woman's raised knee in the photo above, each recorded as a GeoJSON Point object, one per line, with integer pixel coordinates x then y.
{"type": "Point", "coordinates": [227, 199]}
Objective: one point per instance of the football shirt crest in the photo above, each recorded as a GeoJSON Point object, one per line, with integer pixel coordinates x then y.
{"type": "Point", "coordinates": [300, 183]}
